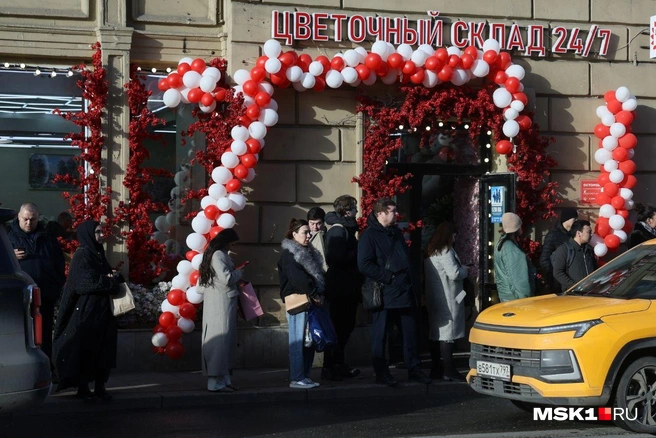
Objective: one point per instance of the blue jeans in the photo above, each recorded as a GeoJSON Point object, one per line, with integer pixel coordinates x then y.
{"type": "Point", "coordinates": [300, 357]}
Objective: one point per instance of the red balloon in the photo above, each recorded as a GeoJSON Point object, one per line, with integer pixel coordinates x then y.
{"type": "Point", "coordinates": [524, 122]}
{"type": "Point", "coordinates": [602, 199]}
{"type": "Point", "coordinates": [602, 229]}
{"type": "Point", "coordinates": [445, 74]}
{"type": "Point", "coordinates": [176, 297]}
{"type": "Point", "coordinates": [627, 167]}
{"type": "Point", "coordinates": [187, 310]}
{"type": "Point", "coordinates": [395, 60]}
{"type": "Point", "coordinates": [628, 226]}
{"type": "Point", "coordinates": [503, 60]}
{"type": "Point", "coordinates": [304, 62]}
{"type": "Point", "coordinates": [325, 62]}
{"type": "Point", "coordinates": [195, 95]}
{"type": "Point", "coordinates": [254, 146]}
{"type": "Point", "coordinates": [261, 61]}
{"type": "Point", "coordinates": [207, 99]}
{"type": "Point", "coordinates": [163, 84]}
{"type": "Point", "coordinates": [454, 61]}
{"type": "Point", "coordinates": [521, 97]}
{"type": "Point", "coordinates": [253, 112]}
{"type": "Point", "coordinates": [490, 56]}
{"type": "Point", "coordinates": [382, 70]}
{"type": "Point", "coordinates": [174, 350]}
{"type": "Point", "coordinates": [472, 51]}
{"type": "Point", "coordinates": [623, 212]}
{"type": "Point", "coordinates": [628, 140]}
{"type": "Point", "coordinates": [174, 80]}
{"type": "Point", "coordinates": [624, 117]}
{"type": "Point", "coordinates": [191, 254]}
{"type": "Point", "coordinates": [609, 96]}
{"type": "Point", "coordinates": [280, 80]}
{"type": "Point", "coordinates": [198, 65]}
{"type": "Point", "coordinates": [620, 154]}
{"type": "Point", "coordinates": [159, 329]}
{"type": "Point", "coordinates": [363, 71]}
{"type": "Point", "coordinates": [603, 178]}
{"type": "Point", "coordinates": [288, 58]}
{"type": "Point", "coordinates": [258, 73]}
{"type": "Point", "coordinates": [512, 84]}
{"type": "Point", "coordinates": [611, 189]}
{"type": "Point", "coordinates": [418, 76]}
{"type": "Point", "coordinates": [601, 131]}
{"type": "Point", "coordinates": [409, 68]}
{"type": "Point", "coordinates": [240, 171]}
{"type": "Point", "coordinates": [373, 61]}
{"type": "Point", "coordinates": [442, 54]}
{"type": "Point", "coordinates": [174, 333]}
{"type": "Point", "coordinates": [167, 319]}
{"type": "Point", "coordinates": [500, 77]}
{"type": "Point", "coordinates": [244, 121]}
{"type": "Point", "coordinates": [617, 202]}
{"type": "Point", "coordinates": [214, 231]}
{"type": "Point", "coordinates": [337, 63]}
{"type": "Point", "coordinates": [193, 278]}
{"type": "Point", "coordinates": [220, 94]}
{"type": "Point", "coordinates": [183, 68]}
{"type": "Point", "coordinates": [503, 147]}
{"type": "Point", "coordinates": [614, 106]}
{"type": "Point", "coordinates": [629, 181]}
{"type": "Point", "coordinates": [262, 99]}
{"type": "Point", "coordinates": [234, 185]}
{"type": "Point", "coordinates": [248, 160]}
{"type": "Point", "coordinates": [467, 61]}
{"type": "Point", "coordinates": [250, 88]}
{"type": "Point", "coordinates": [432, 63]}
{"type": "Point", "coordinates": [211, 212]}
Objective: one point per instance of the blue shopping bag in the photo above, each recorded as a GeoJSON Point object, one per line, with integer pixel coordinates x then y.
{"type": "Point", "coordinates": [321, 329]}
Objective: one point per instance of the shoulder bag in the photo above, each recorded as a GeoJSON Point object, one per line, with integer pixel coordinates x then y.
{"type": "Point", "coordinates": [372, 290]}
{"type": "Point", "coordinates": [297, 303]}
{"type": "Point", "coordinates": [123, 302]}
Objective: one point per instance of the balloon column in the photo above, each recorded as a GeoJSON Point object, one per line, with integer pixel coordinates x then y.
{"type": "Point", "coordinates": [615, 153]}
{"type": "Point", "coordinates": [194, 82]}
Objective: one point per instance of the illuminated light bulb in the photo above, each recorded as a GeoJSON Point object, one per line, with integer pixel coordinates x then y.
{"type": "Point", "coordinates": [22, 65]}
{"type": "Point", "coordinates": [168, 69]}
{"type": "Point", "coordinates": [6, 65]}
{"type": "Point", "coordinates": [440, 124]}
{"type": "Point", "coordinates": [487, 160]}
{"type": "Point", "coordinates": [37, 72]}
{"type": "Point", "coordinates": [70, 73]}
{"type": "Point", "coordinates": [414, 129]}
{"type": "Point", "coordinates": [400, 127]}
{"type": "Point", "coordinates": [427, 128]}
{"type": "Point", "coordinates": [154, 70]}
{"type": "Point", "coordinates": [466, 126]}
{"type": "Point", "coordinates": [138, 68]}
{"type": "Point", "coordinates": [489, 132]}
{"type": "Point", "coordinates": [488, 145]}
{"type": "Point", "coordinates": [53, 74]}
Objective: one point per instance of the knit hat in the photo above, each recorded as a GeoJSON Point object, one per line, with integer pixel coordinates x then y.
{"type": "Point", "coordinates": [510, 223]}
{"type": "Point", "coordinates": [567, 214]}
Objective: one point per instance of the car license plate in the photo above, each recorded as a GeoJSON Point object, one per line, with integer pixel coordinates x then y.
{"type": "Point", "coordinates": [494, 370]}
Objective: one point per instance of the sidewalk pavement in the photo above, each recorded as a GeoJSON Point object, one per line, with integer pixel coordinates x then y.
{"type": "Point", "coordinates": [148, 390]}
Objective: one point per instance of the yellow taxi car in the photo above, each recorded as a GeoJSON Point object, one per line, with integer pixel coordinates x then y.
{"type": "Point", "coordinates": [595, 345]}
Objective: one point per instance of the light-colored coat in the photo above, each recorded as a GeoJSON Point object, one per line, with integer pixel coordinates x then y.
{"type": "Point", "coordinates": [220, 316]}
{"type": "Point", "coordinates": [318, 241]}
{"type": "Point", "coordinates": [444, 275]}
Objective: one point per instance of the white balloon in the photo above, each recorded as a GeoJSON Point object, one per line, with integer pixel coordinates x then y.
{"type": "Point", "coordinates": [298, 87]}
{"type": "Point", "coordinates": [201, 225]}
{"type": "Point", "coordinates": [405, 51]}
{"type": "Point", "coordinates": [239, 133]}
{"type": "Point", "coordinates": [171, 98]}
{"type": "Point", "coordinates": [380, 48]}
{"type": "Point", "coordinates": [596, 240]}
{"type": "Point", "coordinates": [212, 72]}
{"type": "Point", "coordinates": [221, 175]}
{"type": "Point", "coordinates": [159, 340]}
{"type": "Point", "coordinates": [206, 202]}
{"type": "Point", "coordinates": [270, 117]}
{"type": "Point", "coordinates": [308, 80]}
{"type": "Point", "coordinates": [334, 79]}
{"type": "Point", "coordinates": [175, 192]}
{"type": "Point", "coordinates": [229, 160]}
{"type": "Point", "coordinates": [491, 44]}
{"type": "Point", "coordinates": [172, 218]}
{"type": "Point", "coordinates": [272, 48]}
{"type": "Point", "coordinates": [602, 155]}
{"type": "Point", "coordinates": [238, 201]}
{"type": "Point", "coordinates": [430, 79]}
{"type": "Point", "coordinates": [181, 178]}
{"type": "Point", "coordinates": [193, 296]}
{"type": "Point", "coordinates": [294, 73]}
{"type": "Point", "coordinates": [510, 114]}
{"type": "Point", "coordinates": [185, 60]}
{"type": "Point", "coordinates": [224, 204]}
{"type": "Point", "coordinates": [610, 143]}
{"type": "Point", "coordinates": [186, 325]}
{"type": "Point", "coordinates": [161, 224]}
{"type": "Point", "coordinates": [195, 262]}
{"type": "Point", "coordinates": [608, 119]}
{"type": "Point", "coordinates": [160, 236]}
{"type": "Point", "coordinates": [315, 68]}
{"type": "Point", "coordinates": [257, 130]}
{"type": "Point", "coordinates": [630, 104]}
{"type": "Point", "coordinates": [350, 75]}
{"type": "Point", "coordinates": [419, 57]}
{"type": "Point", "coordinates": [371, 79]}
{"type": "Point", "coordinates": [616, 176]}
{"type": "Point", "coordinates": [181, 281]}
{"type": "Point", "coordinates": [207, 109]}
{"type": "Point", "coordinates": [600, 250]}
{"type": "Point", "coordinates": [501, 97]}
{"type": "Point", "coordinates": [622, 94]}
{"type": "Point", "coordinates": [191, 79]}
{"type": "Point", "coordinates": [631, 153]}
{"type": "Point", "coordinates": [239, 147]}
{"type": "Point", "coordinates": [362, 53]}
{"type": "Point", "coordinates": [241, 76]}
{"type": "Point", "coordinates": [184, 95]}
{"type": "Point", "coordinates": [628, 204]}
{"type": "Point", "coordinates": [226, 220]}
{"type": "Point", "coordinates": [207, 84]}
{"type": "Point", "coordinates": [626, 193]}
{"type": "Point", "coordinates": [356, 83]}
{"type": "Point", "coordinates": [516, 71]}
{"type": "Point", "coordinates": [616, 222]}
{"type": "Point", "coordinates": [454, 51]}
{"type": "Point", "coordinates": [606, 210]}
{"type": "Point", "coordinates": [427, 48]}
{"type": "Point", "coordinates": [459, 77]}
{"type": "Point", "coordinates": [351, 57]}
{"type": "Point", "coordinates": [610, 165]}
{"type": "Point", "coordinates": [480, 68]}
{"type": "Point", "coordinates": [184, 267]}
{"type": "Point", "coordinates": [602, 111]}
{"type": "Point", "coordinates": [517, 105]}
{"type": "Point", "coordinates": [168, 307]}
{"type": "Point", "coordinates": [273, 105]}
{"type": "Point", "coordinates": [250, 177]}
{"type": "Point", "coordinates": [617, 130]}
{"type": "Point", "coordinates": [510, 128]}
{"type": "Point", "coordinates": [272, 65]}
{"type": "Point", "coordinates": [393, 76]}
{"type": "Point", "coordinates": [621, 234]}
{"type": "Point", "coordinates": [196, 241]}
{"type": "Point", "coordinates": [238, 89]}
{"type": "Point", "coordinates": [266, 87]}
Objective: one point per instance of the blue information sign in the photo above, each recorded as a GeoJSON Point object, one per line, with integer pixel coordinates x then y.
{"type": "Point", "coordinates": [498, 203]}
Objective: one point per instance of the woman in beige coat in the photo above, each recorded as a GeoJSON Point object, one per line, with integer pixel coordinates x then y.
{"type": "Point", "coordinates": [219, 281]}
{"type": "Point", "coordinates": [444, 276]}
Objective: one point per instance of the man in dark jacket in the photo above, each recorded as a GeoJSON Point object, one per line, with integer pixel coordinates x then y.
{"type": "Point", "coordinates": [343, 282]}
{"type": "Point", "coordinates": [574, 259]}
{"type": "Point", "coordinates": [556, 237]}
{"type": "Point", "coordinates": [383, 241]}
{"type": "Point", "coordinates": [41, 257]}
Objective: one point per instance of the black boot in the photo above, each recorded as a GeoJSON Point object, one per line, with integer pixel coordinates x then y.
{"type": "Point", "coordinates": [101, 392]}
{"type": "Point", "coordinates": [437, 367]}
{"type": "Point", "coordinates": [450, 372]}
{"type": "Point", "coordinates": [84, 393]}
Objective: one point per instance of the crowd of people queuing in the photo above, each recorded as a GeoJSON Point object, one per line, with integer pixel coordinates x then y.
{"type": "Point", "coordinates": [325, 257]}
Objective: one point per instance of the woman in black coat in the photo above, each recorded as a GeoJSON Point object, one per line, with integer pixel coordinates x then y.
{"type": "Point", "coordinates": [645, 229]}
{"type": "Point", "coordinates": [86, 330]}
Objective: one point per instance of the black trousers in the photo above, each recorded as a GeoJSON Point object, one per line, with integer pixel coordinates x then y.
{"type": "Point", "coordinates": [48, 315]}
{"type": "Point", "coordinates": [382, 322]}
{"type": "Point", "coordinates": [343, 312]}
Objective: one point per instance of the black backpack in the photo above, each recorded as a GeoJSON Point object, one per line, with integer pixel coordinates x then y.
{"type": "Point", "coordinates": [571, 252]}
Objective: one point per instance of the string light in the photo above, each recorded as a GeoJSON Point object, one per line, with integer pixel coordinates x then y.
{"type": "Point", "coordinates": [440, 124]}
{"type": "Point", "coordinates": [428, 128]}
{"type": "Point", "coordinates": [53, 74]}
{"type": "Point", "coordinates": [70, 73]}
{"type": "Point", "coordinates": [22, 65]}
{"type": "Point", "coordinates": [37, 72]}
{"type": "Point", "coordinates": [400, 127]}
{"type": "Point", "coordinates": [168, 69]}
{"type": "Point", "coordinates": [466, 126]}
{"type": "Point", "coordinates": [6, 65]}
{"type": "Point", "coordinates": [154, 70]}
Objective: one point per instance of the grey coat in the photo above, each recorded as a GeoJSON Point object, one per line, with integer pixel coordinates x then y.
{"type": "Point", "coordinates": [220, 316]}
{"type": "Point", "coordinates": [444, 275]}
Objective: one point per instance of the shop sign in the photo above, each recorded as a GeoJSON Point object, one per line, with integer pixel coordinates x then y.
{"type": "Point", "coordinates": [497, 203]}
{"type": "Point", "coordinates": [302, 26]}
{"type": "Point", "coordinates": [652, 36]}
{"type": "Point", "coordinates": [589, 190]}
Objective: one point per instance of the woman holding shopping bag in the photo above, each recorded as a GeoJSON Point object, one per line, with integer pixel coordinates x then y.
{"type": "Point", "coordinates": [219, 282]}
{"type": "Point", "coordinates": [300, 270]}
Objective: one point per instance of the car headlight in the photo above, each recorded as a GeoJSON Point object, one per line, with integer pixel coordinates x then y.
{"type": "Point", "coordinates": [559, 366]}
{"type": "Point", "coordinates": [580, 328]}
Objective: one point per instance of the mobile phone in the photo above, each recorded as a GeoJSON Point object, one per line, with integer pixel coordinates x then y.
{"type": "Point", "coordinates": [242, 265]}
{"type": "Point", "coordinates": [20, 248]}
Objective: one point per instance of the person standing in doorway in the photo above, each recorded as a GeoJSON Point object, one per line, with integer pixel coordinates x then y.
{"type": "Point", "coordinates": [41, 257]}
{"type": "Point", "coordinates": [383, 239]}
{"type": "Point", "coordinates": [558, 235]}
{"type": "Point", "coordinates": [343, 283]}
{"type": "Point", "coordinates": [513, 271]}
{"type": "Point", "coordinates": [316, 221]}
{"type": "Point", "coordinates": [574, 259]}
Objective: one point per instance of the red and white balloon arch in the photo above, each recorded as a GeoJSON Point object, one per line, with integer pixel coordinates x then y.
{"type": "Point", "coordinates": [194, 82]}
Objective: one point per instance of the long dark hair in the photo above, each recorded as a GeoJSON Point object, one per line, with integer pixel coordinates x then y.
{"type": "Point", "coordinates": [294, 226]}
{"type": "Point", "coordinates": [219, 243]}
{"type": "Point", "coordinates": [441, 238]}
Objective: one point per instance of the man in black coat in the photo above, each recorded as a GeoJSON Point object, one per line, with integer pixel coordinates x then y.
{"type": "Point", "coordinates": [574, 259]}
{"type": "Point", "coordinates": [41, 257]}
{"type": "Point", "coordinates": [381, 241]}
{"type": "Point", "coordinates": [343, 282]}
{"type": "Point", "coordinates": [556, 237]}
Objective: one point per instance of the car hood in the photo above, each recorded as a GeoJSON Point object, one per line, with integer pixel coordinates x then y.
{"type": "Point", "coordinates": [551, 310]}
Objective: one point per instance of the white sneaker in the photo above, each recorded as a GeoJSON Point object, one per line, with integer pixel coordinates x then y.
{"type": "Point", "coordinates": [311, 382]}
{"type": "Point", "coordinates": [302, 384]}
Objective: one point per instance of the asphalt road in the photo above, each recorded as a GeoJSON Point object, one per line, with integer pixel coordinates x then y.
{"type": "Point", "coordinates": [461, 412]}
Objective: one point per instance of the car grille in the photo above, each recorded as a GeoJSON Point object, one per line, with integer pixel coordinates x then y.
{"type": "Point", "coordinates": [500, 387]}
{"type": "Point", "coordinates": [511, 356]}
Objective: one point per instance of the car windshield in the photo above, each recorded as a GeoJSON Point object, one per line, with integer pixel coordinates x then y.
{"type": "Point", "coordinates": [631, 275]}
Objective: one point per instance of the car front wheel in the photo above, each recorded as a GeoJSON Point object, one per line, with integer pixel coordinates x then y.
{"type": "Point", "coordinates": [636, 396]}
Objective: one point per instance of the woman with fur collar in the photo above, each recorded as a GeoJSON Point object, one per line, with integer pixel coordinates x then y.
{"type": "Point", "coordinates": [300, 270]}
{"type": "Point", "coordinates": [645, 229]}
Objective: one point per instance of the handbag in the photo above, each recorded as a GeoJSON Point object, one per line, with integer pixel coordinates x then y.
{"type": "Point", "coordinates": [250, 305]}
{"type": "Point", "coordinates": [123, 302]}
{"type": "Point", "coordinates": [297, 303]}
{"type": "Point", "coordinates": [321, 329]}
{"type": "Point", "coordinates": [372, 290]}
